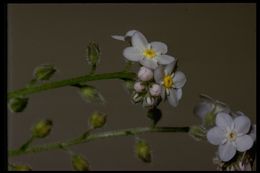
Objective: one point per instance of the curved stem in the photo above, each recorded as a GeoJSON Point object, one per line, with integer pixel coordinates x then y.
{"type": "Point", "coordinates": [68, 82]}
{"type": "Point", "coordinates": [101, 135]}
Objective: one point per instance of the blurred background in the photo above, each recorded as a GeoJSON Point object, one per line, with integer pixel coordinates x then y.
{"type": "Point", "coordinates": [216, 48]}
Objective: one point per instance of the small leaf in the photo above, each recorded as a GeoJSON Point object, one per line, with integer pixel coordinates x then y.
{"type": "Point", "coordinates": [17, 104]}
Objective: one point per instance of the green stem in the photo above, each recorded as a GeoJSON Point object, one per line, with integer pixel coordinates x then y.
{"type": "Point", "coordinates": [68, 82]}
{"type": "Point", "coordinates": [101, 135]}
{"type": "Point", "coordinates": [27, 143]}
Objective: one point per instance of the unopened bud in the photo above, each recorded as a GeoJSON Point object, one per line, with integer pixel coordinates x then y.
{"type": "Point", "coordinates": [21, 168]}
{"type": "Point", "coordinates": [138, 87]}
{"type": "Point", "coordinates": [42, 128]}
{"type": "Point", "coordinates": [17, 104]}
{"type": "Point", "coordinates": [209, 119]}
{"type": "Point", "coordinates": [97, 120]}
{"type": "Point", "coordinates": [44, 72]}
{"type": "Point", "coordinates": [155, 90]}
{"type": "Point", "coordinates": [93, 54]}
{"type": "Point", "coordinates": [149, 101]}
{"type": "Point", "coordinates": [155, 115]}
{"type": "Point", "coordinates": [137, 98]}
{"type": "Point", "coordinates": [143, 151]}
{"type": "Point", "coordinates": [197, 132]}
{"type": "Point", "coordinates": [79, 163]}
{"type": "Point", "coordinates": [91, 94]}
{"type": "Point", "coordinates": [145, 74]}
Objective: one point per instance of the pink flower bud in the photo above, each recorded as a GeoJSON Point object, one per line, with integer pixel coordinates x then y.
{"type": "Point", "coordinates": [155, 90]}
{"type": "Point", "coordinates": [145, 74]}
{"type": "Point", "coordinates": [138, 87]}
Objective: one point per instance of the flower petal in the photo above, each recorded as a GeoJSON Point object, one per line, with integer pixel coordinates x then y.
{"type": "Point", "coordinates": [179, 93]}
{"type": "Point", "coordinates": [227, 151]}
{"type": "Point", "coordinates": [202, 108]}
{"type": "Point", "coordinates": [221, 107]}
{"type": "Point", "coordinates": [158, 74]}
{"type": "Point", "coordinates": [159, 47]}
{"type": "Point", "coordinates": [132, 54]}
{"type": "Point", "coordinates": [172, 98]}
{"type": "Point", "coordinates": [130, 33]}
{"type": "Point", "coordinates": [139, 41]}
{"type": "Point", "coordinates": [149, 63]}
{"type": "Point", "coordinates": [169, 67]}
{"type": "Point", "coordinates": [215, 135]}
{"type": "Point", "coordinates": [118, 37]}
{"type": "Point", "coordinates": [244, 143]}
{"type": "Point", "coordinates": [179, 79]}
{"type": "Point", "coordinates": [224, 120]}
{"type": "Point", "coordinates": [242, 124]}
{"type": "Point", "coordinates": [165, 59]}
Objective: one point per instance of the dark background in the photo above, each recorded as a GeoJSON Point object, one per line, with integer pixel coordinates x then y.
{"type": "Point", "coordinates": [216, 48]}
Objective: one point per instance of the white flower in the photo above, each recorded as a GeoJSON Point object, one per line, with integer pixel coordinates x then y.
{"type": "Point", "coordinates": [138, 87]}
{"type": "Point", "coordinates": [155, 90]}
{"type": "Point", "coordinates": [171, 83]}
{"type": "Point", "coordinates": [148, 54]}
{"type": "Point", "coordinates": [230, 135]}
{"type": "Point", "coordinates": [145, 74]}
{"type": "Point", "coordinates": [127, 35]}
{"type": "Point", "coordinates": [208, 108]}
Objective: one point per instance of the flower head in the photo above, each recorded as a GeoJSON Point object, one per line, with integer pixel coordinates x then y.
{"type": "Point", "coordinates": [230, 135]}
{"type": "Point", "coordinates": [139, 87]}
{"type": "Point", "coordinates": [171, 82]}
{"type": "Point", "coordinates": [145, 74]}
{"type": "Point", "coordinates": [155, 90]}
{"type": "Point", "coordinates": [148, 54]}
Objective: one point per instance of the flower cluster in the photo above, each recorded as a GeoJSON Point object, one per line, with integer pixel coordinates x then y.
{"type": "Point", "coordinates": [231, 131]}
{"type": "Point", "coordinates": [158, 78]}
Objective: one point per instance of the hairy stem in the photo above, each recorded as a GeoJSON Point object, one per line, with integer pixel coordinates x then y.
{"type": "Point", "coordinates": [91, 137]}
{"type": "Point", "coordinates": [68, 82]}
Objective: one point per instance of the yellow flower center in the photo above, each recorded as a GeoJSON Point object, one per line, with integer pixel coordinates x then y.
{"type": "Point", "coordinates": [167, 81]}
{"type": "Point", "coordinates": [149, 53]}
{"type": "Point", "coordinates": [232, 136]}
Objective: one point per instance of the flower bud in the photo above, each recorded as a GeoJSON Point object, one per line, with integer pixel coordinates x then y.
{"type": "Point", "coordinates": [42, 128]}
{"type": "Point", "coordinates": [79, 163]}
{"type": "Point", "coordinates": [97, 120]}
{"type": "Point", "coordinates": [155, 90]}
{"type": "Point", "coordinates": [137, 98]}
{"type": "Point", "coordinates": [143, 151]}
{"type": "Point", "coordinates": [17, 104]}
{"type": "Point", "coordinates": [138, 87]}
{"type": "Point", "coordinates": [145, 74]}
{"type": "Point", "coordinates": [21, 168]}
{"type": "Point", "coordinates": [44, 72]}
{"type": "Point", "coordinates": [197, 132]}
{"type": "Point", "coordinates": [149, 101]}
{"type": "Point", "coordinates": [91, 94]}
{"type": "Point", "coordinates": [155, 115]}
{"type": "Point", "coordinates": [93, 54]}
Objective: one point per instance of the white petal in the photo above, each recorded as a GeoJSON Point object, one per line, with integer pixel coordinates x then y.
{"type": "Point", "coordinates": [149, 63]}
{"type": "Point", "coordinates": [118, 37]}
{"type": "Point", "coordinates": [159, 47]}
{"type": "Point", "coordinates": [172, 98]}
{"type": "Point", "coordinates": [158, 75]}
{"type": "Point", "coordinates": [215, 135]}
{"type": "Point", "coordinates": [227, 151]}
{"type": "Point", "coordinates": [221, 107]}
{"type": "Point", "coordinates": [242, 124]}
{"type": "Point", "coordinates": [244, 143]}
{"type": "Point", "coordinates": [202, 108]}
{"type": "Point", "coordinates": [165, 59]}
{"type": "Point", "coordinates": [139, 41]}
{"type": "Point", "coordinates": [224, 120]}
{"type": "Point", "coordinates": [179, 79]}
{"type": "Point", "coordinates": [169, 68]}
{"type": "Point", "coordinates": [179, 93]}
{"type": "Point", "coordinates": [132, 54]}
{"type": "Point", "coordinates": [130, 33]}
